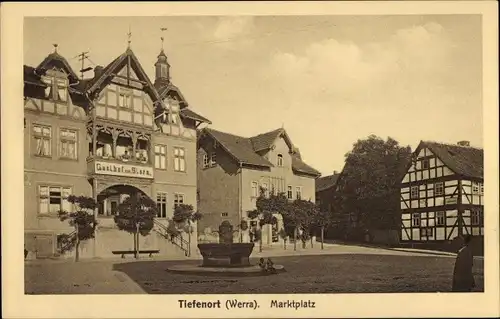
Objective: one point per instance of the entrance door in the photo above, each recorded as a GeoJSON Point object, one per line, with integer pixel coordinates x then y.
{"type": "Point", "coordinates": [101, 209]}
{"type": "Point", "coordinates": [44, 246]}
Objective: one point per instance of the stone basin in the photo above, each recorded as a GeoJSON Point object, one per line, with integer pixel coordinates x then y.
{"type": "Point", "coordinates": [226, 254]}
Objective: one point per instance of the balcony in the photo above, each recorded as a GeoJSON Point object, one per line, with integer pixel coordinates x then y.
{"type": "Point", "coordinates": [110, 166]}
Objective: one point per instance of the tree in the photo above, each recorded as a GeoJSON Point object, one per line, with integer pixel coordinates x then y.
{"type": "Point", "coordinates": [300, 214]}
{"type": "Point", "coordinates": [136, 216]}
{"type": "Point", "coordinates": [369, 183]}
{"type": "Point", "coordinates": [82, 218]}
{"type": "Point", "coordinates": [266, 206]}
{"type": "Point", "coordinates": [321, 219]}
{"type": "Point", "coordinates": [184, 213]}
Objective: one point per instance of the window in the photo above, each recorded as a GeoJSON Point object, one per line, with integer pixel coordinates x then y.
{"type": "Point", "coordinates": [280, 160]}
{"type": "Point", "coordinates": [481, 188]}
{"type": "Point", "coordinates": [43, 137]}
{"type": "Point", "coordinates": [438, 189]}
{"type": "Point", "coordinates": [174, 118]}
{"type": "Point", "coordinates": [124, 99]}
{"type": "Point", "coordinates": [414, 192]}
{"type": "Point", "coordinates": [298, 192]}
{"type": "Point", "coordinates": [160, 156]}
{"type": "Point", "coordinates": [213, 159]}
{"type": "Point", "coordinates": [425, 164]}
{"type": "Point", "coordinates": [289, 193]}
{"type": "Point", "coordinates": [179, 160]}
{"type": "Point", "coordinates": [178, 199]}
{"type": "Point", "coordinates": [224, 214]}
{"type": "Point", "coordinates": [475, 218]}
{"type": "Point", "coordinates": [62, 91]}
{"type": "Point", "coordinates": [415, 220]}
{"type": "Point", "coordinates": [255, 189]}
{"type": "Point", "coordinates": [161, 205]}
{"type": "Point", "coordinates": [68, 143]}
{"type": "Point", "coordinates": [427, 232]}
{"type": "Point", "coordinates": [205, 161]}
{"type": "Point", "coordinates": [440, 218]}
{"type": "Point", "coordinates": [56, 89]}
{"type": "Point", "coordinates": [475, 188]}
{"type": "Point", "coordinates": [53, 199]}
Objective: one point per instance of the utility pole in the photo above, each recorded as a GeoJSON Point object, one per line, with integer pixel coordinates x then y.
{"type": "Point", "coordinates": [82, 57]}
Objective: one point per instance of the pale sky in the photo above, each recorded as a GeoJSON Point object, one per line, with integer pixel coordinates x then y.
{"type": "Point", "coordinates": [329, 80]}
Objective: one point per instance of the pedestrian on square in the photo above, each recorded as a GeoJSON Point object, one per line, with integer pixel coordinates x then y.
{"type": "Point", "coordinates": [463, 278]}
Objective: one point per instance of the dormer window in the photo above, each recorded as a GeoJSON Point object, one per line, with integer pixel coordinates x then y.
{"type": "Point", "coordinates": [280, 160]}
{"type": "Point", "coordinates": [174, 118]}
{"type": "Point", "coordinates": [57, 88]}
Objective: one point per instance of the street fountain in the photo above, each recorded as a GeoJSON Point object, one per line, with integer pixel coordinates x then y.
{"type": "Point", "coordinates": [225, 257]}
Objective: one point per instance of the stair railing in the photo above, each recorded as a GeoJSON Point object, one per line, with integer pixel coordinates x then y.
{"type": "Point", "coordinates": [69, 243]}
{"type": "Point", "coordinates": [177, 240]}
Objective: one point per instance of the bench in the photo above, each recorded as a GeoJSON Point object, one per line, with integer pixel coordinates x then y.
{"type": "Point", "coordinates": [131, 252]}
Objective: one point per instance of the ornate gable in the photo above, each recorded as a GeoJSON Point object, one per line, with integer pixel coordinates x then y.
{"type": "Point", "coordinates": [125, 71]}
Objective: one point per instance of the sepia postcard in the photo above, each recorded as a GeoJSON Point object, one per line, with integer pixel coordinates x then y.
{"type": "Point", "coordinates": [240, 160]}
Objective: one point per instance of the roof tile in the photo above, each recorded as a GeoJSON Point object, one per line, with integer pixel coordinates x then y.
{"type": "Point", "coordinates": [326, 182]}
{"type": "Point", "coordinates": [464, 160]}
{"type": "Point", "coordinates": [244, 149]}
{"type": "Point", "coordinates": [265, 140]}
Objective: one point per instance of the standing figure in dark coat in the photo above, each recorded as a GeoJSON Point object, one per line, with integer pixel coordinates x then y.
{"type": "Point", "coordinates": [463, 278]}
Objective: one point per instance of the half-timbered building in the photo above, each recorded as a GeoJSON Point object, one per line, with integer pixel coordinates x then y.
{"type": "Point", "coordinates": [105, 137]}
{"type": "Point", "coordinates": [442, 193]}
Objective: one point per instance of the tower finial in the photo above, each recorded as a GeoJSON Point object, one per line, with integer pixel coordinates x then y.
{"type": "Point", "coordinates": [129, 35]}
{"type": "Point", "coordinates": [55, 47]}
{"type": "Point", "coordinates": [162, 38]}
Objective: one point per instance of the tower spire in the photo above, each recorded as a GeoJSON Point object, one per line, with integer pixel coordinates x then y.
{"type": "Point", "coordinates": [55, 47]}
{"type": "Point", "coordinates": [161, 66]}
{"type": "Point", "coordinates": [162, 38]}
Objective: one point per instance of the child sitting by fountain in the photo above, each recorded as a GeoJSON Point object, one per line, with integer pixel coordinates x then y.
{"type": "Point", "coordinates": [262, 264]}
{"type": "Point", "coordinates": [270, 266]}
{"type": "Point", "coordinates": [267, 266]}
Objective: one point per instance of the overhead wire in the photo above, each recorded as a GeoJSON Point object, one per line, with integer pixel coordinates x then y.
{"type": "Point", "coordinates": [262, 35]}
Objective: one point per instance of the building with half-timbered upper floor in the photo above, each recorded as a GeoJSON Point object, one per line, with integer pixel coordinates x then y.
{"type": "Point", "coordinates": [442, 195]}
{"type": "Point", "coordinates": [105, 137]}
{"type": "Point", "coordinates": [231, 171]}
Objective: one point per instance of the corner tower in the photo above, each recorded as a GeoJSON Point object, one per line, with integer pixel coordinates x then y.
{"type": "Point", "coordinates": [162, 70]}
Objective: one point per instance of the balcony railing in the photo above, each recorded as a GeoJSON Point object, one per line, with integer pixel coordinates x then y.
{"type": "Point", "coordinates": [119, 167]}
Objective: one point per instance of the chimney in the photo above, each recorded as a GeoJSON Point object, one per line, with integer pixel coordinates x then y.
{"type": "Point", "coordinates": [98, 71]}
{"type": "Point", "coordinates": [335, 172]}
{"type": "Point", "coordinates": [464, 143]}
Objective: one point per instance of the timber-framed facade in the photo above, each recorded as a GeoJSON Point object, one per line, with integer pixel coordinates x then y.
{"type": "Point", "coordinates": [442, 194]}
